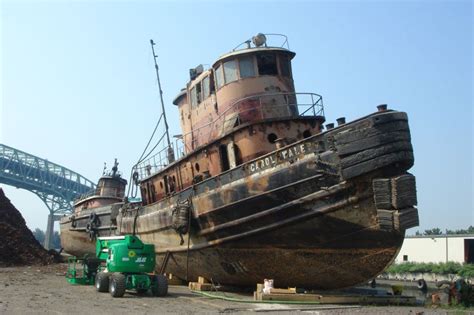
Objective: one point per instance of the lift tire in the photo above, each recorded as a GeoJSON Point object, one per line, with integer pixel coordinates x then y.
{"type": "Point", "coordinates": [117, 284]}
{"type": "Point", "coordinates": [102, 281]}
{"type": "Point", "coordinates": [159, 285]}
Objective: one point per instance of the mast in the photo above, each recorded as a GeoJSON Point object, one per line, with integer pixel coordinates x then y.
{"type": "Point", "coordinates": [170, 149]}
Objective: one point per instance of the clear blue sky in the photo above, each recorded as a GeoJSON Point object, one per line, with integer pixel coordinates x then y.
{"type": "Point", "coordinates": [78, 84]}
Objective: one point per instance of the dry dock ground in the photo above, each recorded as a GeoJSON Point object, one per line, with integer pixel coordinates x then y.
{"type": "Point", "coordinates": [44, 289]}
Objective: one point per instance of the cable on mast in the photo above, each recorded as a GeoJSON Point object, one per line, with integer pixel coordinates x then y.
{"type": "Point", "coordinates": [170, 152]}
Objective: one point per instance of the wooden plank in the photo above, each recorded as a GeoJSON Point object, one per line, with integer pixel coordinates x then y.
{"type": "Point", "coordinates": [282, 291]}
{"type": "Point", "coordinates": [292, 297]}
{"type": "Point", "coordinates": [195, 286]}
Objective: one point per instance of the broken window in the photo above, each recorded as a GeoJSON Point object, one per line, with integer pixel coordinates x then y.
{"type": "Point", "coordinates": [219, 77]}
{"type": "Point", "coordinates": [205, 88]}
{"type": "Point", "coordinates": [246, 67]}
{"type": "Point", "coordinates": [198, 93]}
{"type": "Point", "coordinates": [211, 83]}
{"type": "Point", "coordinates": [230, 71]}
{"type": "Point", "coordinates": [224, 158]}
{"type": "Point", "coordinates": [267, 64]}
{"type": "Point", "coordinates": [284, 66]}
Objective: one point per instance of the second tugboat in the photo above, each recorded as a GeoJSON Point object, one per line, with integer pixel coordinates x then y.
{"type": "Point", "coordinates": [260, 189]}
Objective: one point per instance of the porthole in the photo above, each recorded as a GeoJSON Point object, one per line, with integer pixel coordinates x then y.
{"type": "Point", "coordinates": [196, 167]}
{"type": "Point", "coordinates": [272, 138]}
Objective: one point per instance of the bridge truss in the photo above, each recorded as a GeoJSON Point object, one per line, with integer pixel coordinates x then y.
{"type": "Point", "coordinates": [54, 184]}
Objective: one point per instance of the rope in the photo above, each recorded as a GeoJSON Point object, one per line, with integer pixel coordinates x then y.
{"type": "Point", "coordinates": [140, 159]}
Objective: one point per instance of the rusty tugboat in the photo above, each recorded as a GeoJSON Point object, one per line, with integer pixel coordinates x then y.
{"type": "Point", "coordinates": [258, 188]}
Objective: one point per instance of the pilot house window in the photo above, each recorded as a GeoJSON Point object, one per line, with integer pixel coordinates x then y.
{"type": "Point", "coordinates": [219, 77]}
{"type": "Point", "coordinates": [193, 97]}
{"type": "Point", "coordinates": [205, 88]}
{"type": "Point", "coordinates": [267, 64]}
{"type": "Point", "coordinates": [246, 67]}
{"type": "Point", "coordinates": [284, 65]}
{"type": "Point", "coordinates": [230, 71]}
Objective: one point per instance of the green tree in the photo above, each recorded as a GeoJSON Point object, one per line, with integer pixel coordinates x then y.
{"type": "Point", "coordinates": [469, 230]}
{"type": "Point", "coordinates": [39, 235]}
{"type": "Point", "coordinates": [434, 231]}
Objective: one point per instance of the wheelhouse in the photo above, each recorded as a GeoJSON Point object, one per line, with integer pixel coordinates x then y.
{"type": "Point", "coordinates": [240, 108]}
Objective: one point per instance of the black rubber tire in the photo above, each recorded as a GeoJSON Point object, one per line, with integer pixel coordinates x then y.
{"type": "Point", "coordinates": [373, 283]}
{"type": "Point", "coordinates": [117, 284]}
{"type": "Point", "coordinates": [102, 281]}
{"type": "Point", "coordinates": [159, 285]}
{"type": "Point", "coordinates": [421, 284]}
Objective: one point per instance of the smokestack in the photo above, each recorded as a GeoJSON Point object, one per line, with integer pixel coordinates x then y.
{"type": "Point", "coordinates": [329, 126]}
{"type": "Point", "coordinates": [341, 121]}
{"type": "Point", "coordinates": [382, 107]}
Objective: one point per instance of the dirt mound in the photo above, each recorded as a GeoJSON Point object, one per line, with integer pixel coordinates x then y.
{"type": "Point", "coordinates": [18, 246]}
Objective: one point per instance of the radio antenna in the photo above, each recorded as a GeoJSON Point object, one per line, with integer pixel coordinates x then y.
{"type": "Point", "coordinates": [170, 148]}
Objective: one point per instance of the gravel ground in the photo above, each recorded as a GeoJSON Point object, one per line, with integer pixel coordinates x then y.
{"type": "Point", "coordinates": [44, 289]}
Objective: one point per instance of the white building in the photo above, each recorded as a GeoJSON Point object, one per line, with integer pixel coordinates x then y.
{"type": "Point", "coordinates": [437, 248]}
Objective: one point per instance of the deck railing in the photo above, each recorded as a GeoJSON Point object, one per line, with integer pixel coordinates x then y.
{"type": "Point", "coordinates": [110, 192]}
{"type": "Point", "coordinates": [249, 109]}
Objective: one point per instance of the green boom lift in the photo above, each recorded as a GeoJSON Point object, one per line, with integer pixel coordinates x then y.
{"type": "Point", "coordinates": [126, 264]}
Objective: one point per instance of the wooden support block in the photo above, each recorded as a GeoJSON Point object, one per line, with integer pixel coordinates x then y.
{"type": "Point", "coordinates": [282, 291]}
{"type": "Point", "coordinates": [202, 280]}
{"type": "Point", "coordinates": [292, 297]}
{"type": "Point", "coordinates": [257, 295]}
{"type": "Point", "coordinates": [196, 286]}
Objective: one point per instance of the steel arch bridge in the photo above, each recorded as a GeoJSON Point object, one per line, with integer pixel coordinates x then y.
{"type": "Point", "coordinates": [54, 184]}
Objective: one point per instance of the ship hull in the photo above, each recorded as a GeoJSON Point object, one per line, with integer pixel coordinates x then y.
{"type": "Point", "coordinates": [302, 262]}
{"type": "Point", "coordinates": [317, 213]}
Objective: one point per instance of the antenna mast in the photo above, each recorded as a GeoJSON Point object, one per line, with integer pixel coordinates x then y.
{"type": "Point", "coordinates": [170, 149]}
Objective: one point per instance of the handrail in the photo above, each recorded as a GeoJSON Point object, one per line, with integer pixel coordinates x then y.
{"type": "Point", "coordinates": [248, 41]}
{"type": "Point", "coordinates": [96, 192]}
{"type": "Point", "coordinates": [288, 108]}
{"type": "Point", "coordinates": [317, 103]}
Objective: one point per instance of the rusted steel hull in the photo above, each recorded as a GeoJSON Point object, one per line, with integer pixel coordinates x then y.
{"type": "Point", "coordinates": [79, 232]}
{"type": "Point", "coordinates": [324, 212]}
{"type": "Point", "coordinates": [308, 261]}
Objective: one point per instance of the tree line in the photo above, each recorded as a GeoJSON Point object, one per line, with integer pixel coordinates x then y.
{"type": "Point", "coordinates": [438, 231]}
{"type": "Point", "coordinates": [40, 237]}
